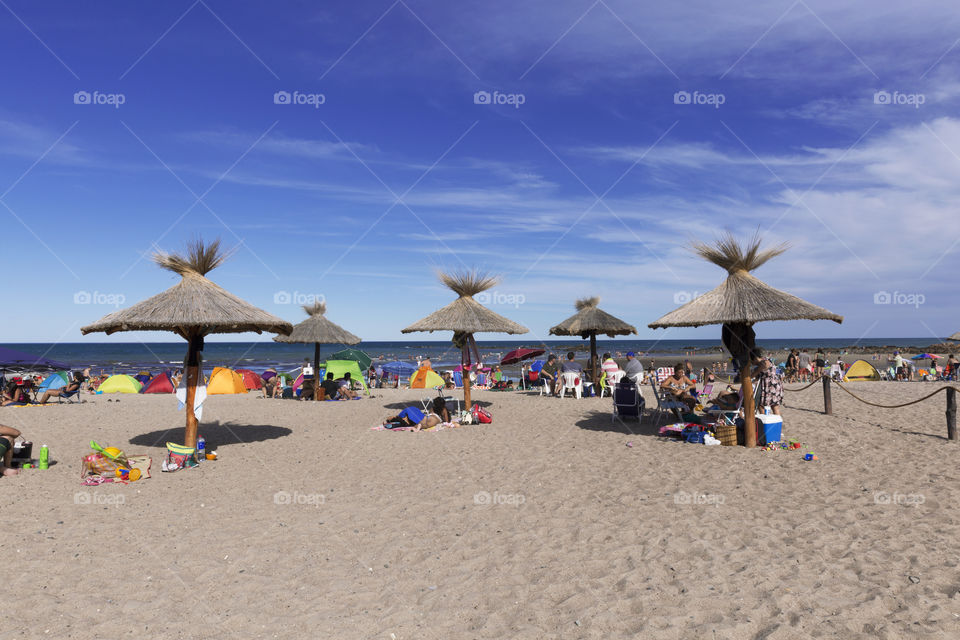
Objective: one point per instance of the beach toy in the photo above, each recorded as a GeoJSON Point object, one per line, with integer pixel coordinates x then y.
{"type": "Point", "coordinates": [630, 444]}
{"type": "Point", "coordinates": [128, 474]}
{"type": "Point", "coordinates": [211, 456]}
{"type": "Point", "coordinates": [27, 466]}
{"type": "Point", "coordinates": [112, 453]}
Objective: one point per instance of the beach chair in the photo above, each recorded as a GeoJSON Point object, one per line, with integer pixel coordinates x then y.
{"type": "Point", "coordinates": [69, 398]}
{"type": "Point", "coordinates": [704, 396]}
{"type": "Point", "coordinates": [572, 381]}
{"type": "Point", "coordinates": [458, 379]}
{"type": "Point", "coordinates": [608, 384]}
{"type": "Point", "coordinates": [627, 401]}
{"type": "Point", "coordinates": [665, 405]}
{"type": "Point", "coordinates": [449, 400]}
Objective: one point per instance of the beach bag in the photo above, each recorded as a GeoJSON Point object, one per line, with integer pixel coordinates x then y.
{"type": "Point", "coordinates": [481, 416]}
{"type": "Point", "coordinates": [179, 457]}
{"type": "Point", "coordinates": [97, 464]}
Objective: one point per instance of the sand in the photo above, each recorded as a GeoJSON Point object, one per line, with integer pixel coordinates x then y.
{"type": "Point", "coordinates": [543, 524]}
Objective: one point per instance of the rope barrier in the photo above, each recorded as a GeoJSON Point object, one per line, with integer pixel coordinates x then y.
{"type": "Point", "coordinates": [806, 387]}
{"type": "Point", "coordinates": [893, 406]}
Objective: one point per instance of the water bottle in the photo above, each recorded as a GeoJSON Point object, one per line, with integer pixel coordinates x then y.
{"type": "Point", "coordinates": [767, 410]}
{"type": "Point", "coordinates": [44, 457]}
{"type": "Point", "coordinates": [201, 448]}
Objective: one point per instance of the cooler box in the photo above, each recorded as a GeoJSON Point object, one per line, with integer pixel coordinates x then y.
{"type": "Point", "coordinates": [769, 428]}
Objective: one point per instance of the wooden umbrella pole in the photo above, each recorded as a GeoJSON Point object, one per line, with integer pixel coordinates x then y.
{"type": "Point", "coordinates": [749, 410]}
{"type": "Point", "coordinates": [193, 375]}
{"type": "Point", "coordinates": [316, 370]}
{"type": "Point", "coordinates": [593, 360]}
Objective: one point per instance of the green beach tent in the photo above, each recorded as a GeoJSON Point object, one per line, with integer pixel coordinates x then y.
{"type": "Point", "coordinates": [340, 367]}
{"type": "Point", "coordinates": [120, 383]}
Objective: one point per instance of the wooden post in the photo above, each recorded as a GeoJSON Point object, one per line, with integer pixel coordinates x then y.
{"type": "Point", "coordinates": [951, 414]}
{"type": "Point", "coordinates": [466, 388]}
{"type": "Point", "coordinates": [193, 377]}
{"type": "Point", "coordinates": [593, 362]}
{"type": "Point", "coordinates": [749, 409]}
{"type": "Point", "coordinates": [316, 370]}
{"type": "Point", "coordinates": [827, 400]}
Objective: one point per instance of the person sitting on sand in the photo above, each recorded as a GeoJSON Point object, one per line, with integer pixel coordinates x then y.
{"type": "Point", "coordinates": [63, 391]}
{"type": "Point", "coordinates": [680, 386]}
{"type": "Point", "coordinates": [7, 436]}
{"type": "Point", "coordinates": [345, 390]}
{"type": "Point", "coordinates": [331, 387]}
{"type": "Point", "coordinates": [14, 393]}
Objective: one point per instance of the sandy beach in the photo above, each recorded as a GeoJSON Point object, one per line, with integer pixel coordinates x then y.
{"type": "Point", "coordinates": [544, 524]}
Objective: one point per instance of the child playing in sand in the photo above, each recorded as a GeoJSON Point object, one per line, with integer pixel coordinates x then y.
{"type": "Point", "coordinates": [7, 436]}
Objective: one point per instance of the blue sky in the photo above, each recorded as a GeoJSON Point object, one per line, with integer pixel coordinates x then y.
{"type": "Point", "coordinates": [344, 149]}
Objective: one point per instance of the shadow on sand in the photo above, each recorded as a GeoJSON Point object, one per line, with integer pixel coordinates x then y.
{"type": "Point", "coordinates": [600, 421]}
{"type": "Point", "coordinates": [215, 434]}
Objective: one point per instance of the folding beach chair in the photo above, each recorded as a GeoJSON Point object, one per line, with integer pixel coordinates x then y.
{"type": "Point", "coordinates": [666, 405]}
{"type": "Point", "coordinates": [662, 374]}
{"type": "Point", "coordinates": [70, 398]}
{"type": "Point", "coordinates": [627, 401]}
{"type": "Point", "coordinates": [458, 379]}
{"type": "Point", "coordinates": [449, 400]}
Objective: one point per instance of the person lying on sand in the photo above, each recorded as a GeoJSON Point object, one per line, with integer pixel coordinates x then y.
{"type": "Point", "coordinates": [413, 417]}
{"type": "Point", "coordinates": [7, 436]}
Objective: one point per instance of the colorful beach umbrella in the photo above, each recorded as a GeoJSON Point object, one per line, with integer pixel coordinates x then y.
{"type": "Point", "coordinates": [925, 356]}
{"type": "Point", "coordinates": [193, 308]}
{"type": "Point", "coordinates": [13, 360]}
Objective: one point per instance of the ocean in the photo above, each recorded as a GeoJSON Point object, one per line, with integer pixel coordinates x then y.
{"type": "Point", "coordinates": [129, 357]}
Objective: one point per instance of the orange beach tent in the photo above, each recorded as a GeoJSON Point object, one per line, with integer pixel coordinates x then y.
{"type": "Point", "coordinates": [224, 380]}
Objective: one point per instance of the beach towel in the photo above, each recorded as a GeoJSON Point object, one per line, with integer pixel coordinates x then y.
{"type": "Point", "coordinates": [201, 394]}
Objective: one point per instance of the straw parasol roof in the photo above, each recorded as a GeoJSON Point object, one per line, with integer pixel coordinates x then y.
{"type": "Point", "coordinates": [590, 319]}
{"type": "Point", "coordinates": [318, 329]}
{"type": "Point", "coordinates": [193, 306]}
{"type": "Point", "coordinates": [742, 298]}
{"type": "Point", "coordinates": [465, 315]}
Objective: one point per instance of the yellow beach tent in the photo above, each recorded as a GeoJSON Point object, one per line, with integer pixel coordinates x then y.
{"type": "Point", "coordinates": [861, 370]}
{"type": "Point", "coordinates": [425, 378]}
{"type": "Point", "coordinates": [120, 383]}
{"type": "Point", "coordinates": [224, 380]}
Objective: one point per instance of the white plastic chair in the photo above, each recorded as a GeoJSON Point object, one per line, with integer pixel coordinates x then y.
{"type": "Point", "coordinates": [572, 380]}
{"type": "Point", "coordinates": [610, 381]}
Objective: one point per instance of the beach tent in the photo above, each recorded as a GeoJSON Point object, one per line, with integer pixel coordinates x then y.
{"type": "Point", "coordinates": [161, 383]}
{"type": "Point", "coordinates": [861, 370]}
{"type": "Point", "coordinates": [426, 378]}
{"type": "Point", "coordinates": [143, 377]}
{"type": "Point", "coordinates": [55, 380]}
{"type": "Point", "coordinates": [339, 367]}
{"type": "Point", "coordinates": [225, 381]}
{"type": "Point", "coordinates": [250, 379]}
{"type": "Point", "coordinates": [120, 383]}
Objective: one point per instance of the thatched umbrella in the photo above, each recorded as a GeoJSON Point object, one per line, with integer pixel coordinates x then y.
{"type": "Point", "coordinates": [192, 308]}
{"type": "Point", "coordinates": [318, 330]}
{"type": "Point", "coordinates": [465, 317]}
{"type": "Point", "coordinates": [588, 321]}
{"type": "Point", "coordinates": [737, 304]}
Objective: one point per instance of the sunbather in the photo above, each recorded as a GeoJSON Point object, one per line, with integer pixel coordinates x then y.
{"type": "Point", "coordinates": [15, 393]}
{"type": "Point", "coordinates": [7, 436]}
{"type": "Point", "coordinates": [68, 390]}
{"type": "Point", "coordinates": [680, 387]}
